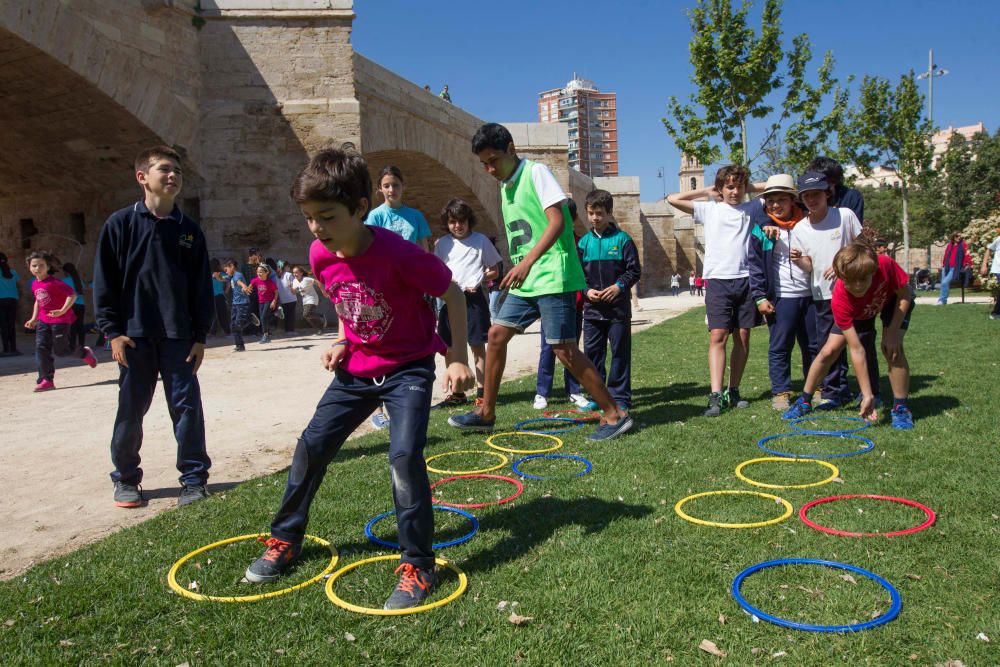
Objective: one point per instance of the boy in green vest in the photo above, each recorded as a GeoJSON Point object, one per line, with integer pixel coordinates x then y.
{"type": "Point", "coordinates": [543, 282]}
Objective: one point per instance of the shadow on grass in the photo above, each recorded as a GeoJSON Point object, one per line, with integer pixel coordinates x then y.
{"type": "Point", "coordinates": [929, 406]}
{"type": "Point", "coordinates": [173, 491]}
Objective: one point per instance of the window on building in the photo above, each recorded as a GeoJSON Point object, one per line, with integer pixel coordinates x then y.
{"type": "Point", "coordinates": [694, 183]}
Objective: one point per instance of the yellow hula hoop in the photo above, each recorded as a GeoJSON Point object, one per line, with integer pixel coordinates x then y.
{"type": "Point", "coordinates": [503, 462]}
{"type": "Point", "coordinates": [716, 524]}
{"type": "Point", "coordinates": [463, 583]}
{"type": "Point", "coordinates": [183, 592]}
{"type": "Point", "coordinates": [559, 443]}
{"type": "Point", "coordinates": [834, 472]}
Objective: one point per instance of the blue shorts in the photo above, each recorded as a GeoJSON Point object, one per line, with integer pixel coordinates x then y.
{"type": "Point", "coordinates": [557, 312]}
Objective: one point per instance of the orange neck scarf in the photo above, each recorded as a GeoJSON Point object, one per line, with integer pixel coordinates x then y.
{"type": "Point", "coordinates": [789, 223]}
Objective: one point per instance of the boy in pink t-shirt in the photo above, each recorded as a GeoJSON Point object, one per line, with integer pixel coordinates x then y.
{"type": "Point", "coordinates": [384, 353]}
{"type": "Point", "coordinates": [267, 298]}
{"type": "Point", "coordinates": [869, 286]}
{"type": "Point", "coordinates": [51, 318]}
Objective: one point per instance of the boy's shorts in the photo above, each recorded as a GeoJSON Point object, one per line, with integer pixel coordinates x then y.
{"type": "Point", "coordinates": [888, 310]}
{"type": "Point", "coordinates": [729, 304]}
{"type": "Point", "coordinates": [557, 312]}
{"type": "Point", "coordinates": [477, 310]}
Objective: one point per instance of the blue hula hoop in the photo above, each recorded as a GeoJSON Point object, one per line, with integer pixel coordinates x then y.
{"type": "Point", "coordinates": [897, 601]}
{"type": "Point", "coordinates": [576, 423]}
{"type": "Point", "coordinates": [517, 471]}
{"type": "Point", "coordinates": [870, 445]}
{"type": "Point", "coordinates": [441, 545]}
{"type": "Point", "coordinates": [843, 431]}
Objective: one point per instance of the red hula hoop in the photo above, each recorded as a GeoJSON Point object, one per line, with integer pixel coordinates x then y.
{"type": "Point", "coordinates": [804, 510]}
{"type": "Point", "coordinates": [579, 415]}
{"type": "Point", "coordinates": [504, 501]}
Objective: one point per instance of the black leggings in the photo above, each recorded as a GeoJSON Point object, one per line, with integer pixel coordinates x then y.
{"type": "Point", "coordinates": [8, 326]}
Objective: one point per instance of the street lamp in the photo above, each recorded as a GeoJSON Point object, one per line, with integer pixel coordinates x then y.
{"type": "Point", "coordinates": [932, 71]}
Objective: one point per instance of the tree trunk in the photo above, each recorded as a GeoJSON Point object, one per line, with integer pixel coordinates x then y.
{"type": "Point", "coordinates": [743, 138]}
{"type": "Point", "coordinates": [906, 227]}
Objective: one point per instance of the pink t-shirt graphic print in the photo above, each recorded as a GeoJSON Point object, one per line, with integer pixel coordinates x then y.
{"type": "Point", "coordinates": [366, 311]}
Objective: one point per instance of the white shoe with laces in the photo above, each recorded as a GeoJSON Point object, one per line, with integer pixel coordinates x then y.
{"type": "Point", "coordinates": [540, 402]}
{"type": "Point", "coordinates": [579, 400]}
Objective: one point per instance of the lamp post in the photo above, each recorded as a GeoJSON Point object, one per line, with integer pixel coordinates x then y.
{"type": "Point", "coordinates": [932, 71]}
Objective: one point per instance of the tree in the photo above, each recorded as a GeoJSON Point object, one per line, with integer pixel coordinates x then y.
{"type": "Point", "coordinates": [970, 180]}
{"type": "Point", "coordinates": [736, 76]}
{"type": "Point", "coordinates": [887, 129]}
{"type": "Point", "coordinates": [978, 236]}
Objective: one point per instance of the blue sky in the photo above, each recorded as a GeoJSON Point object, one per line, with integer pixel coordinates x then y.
{"type": "Point", "coordinates": [497, 57]}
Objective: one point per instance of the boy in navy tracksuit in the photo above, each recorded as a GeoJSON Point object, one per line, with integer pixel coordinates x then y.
{"type": "Point", "coordinates": [153, 295]}
{"type": "Point", "coordinates": [611, 267]}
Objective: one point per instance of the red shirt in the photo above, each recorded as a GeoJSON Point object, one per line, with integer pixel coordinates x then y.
{"type": "Point", "coordinates": [379, 298]}
{"type": "Point", "coordinates": [266, 289]}
{"type": "Point", "coordinates": [51, 294]}
{"type": "Point", "coordinates": [888, 278]}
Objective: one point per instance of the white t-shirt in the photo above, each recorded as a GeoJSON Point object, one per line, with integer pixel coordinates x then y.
{"type": "Point", "coordinates": [467, 258]}
{"type": "Point", "coordinates": [285, 293]}
{"type": "Point", "coordinates": [995, 249]}
{"type": "Point", "coordinates": [792, 280]}
{"type": "Point", "coordinates": [675, 280]}
{"type": "Point", "coordinates": [547, 187]}
{"type": "Point", "coordinates": [306, 288]}
{"type": "Point", "coordinates": [821, 241]}
{"type": "Point", "coordinates": [726, 231]}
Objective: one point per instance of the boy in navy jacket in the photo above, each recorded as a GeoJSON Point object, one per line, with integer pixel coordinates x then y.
{"type": "Point", "coordinates": [154, 301]}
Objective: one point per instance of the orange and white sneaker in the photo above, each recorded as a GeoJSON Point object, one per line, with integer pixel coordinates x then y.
{"type": "Point", "coordinates": [413, 588]}
{"type": "Point", "coordinates": [277, 558]}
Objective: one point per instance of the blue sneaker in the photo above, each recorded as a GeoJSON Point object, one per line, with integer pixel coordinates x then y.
{"type": "Point", "coordinates": [830, 404]}
{"type": "Point", "coordinates": [607, 431]}
{"type": "Point", "coordinates": [380, 420]}
{"type": "Point", "coordinates": [471, 421]}
{"type": "Point", "coordinates": [902, 418]}
{"type": "Point", "coordinates": [800, 408]}
{"type": "Point", "coordinates": [591, 406]}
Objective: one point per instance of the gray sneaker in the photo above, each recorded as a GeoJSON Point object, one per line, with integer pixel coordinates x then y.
{"type": "Point", "coordinates": [191, 493]}
{"type": "Point", "coordinates": [128, 495]}
{"type": "Point", "coordinates": [276, 560]}
{"type": "Point", "coordinates": [608, 431]}
{"type": "Point", "coordinates": [413, 588]}
{"type": "Point", "coordinates": [714, 405]}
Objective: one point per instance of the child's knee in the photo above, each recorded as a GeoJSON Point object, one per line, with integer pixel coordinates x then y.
{"type": "Point", "coordinates": [498, 335]}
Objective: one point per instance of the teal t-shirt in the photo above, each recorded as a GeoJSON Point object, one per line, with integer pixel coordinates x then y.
{"type": "Point", "coordinates": [404, 221]}
{"type": "Point", "coordinates": [8, 286]}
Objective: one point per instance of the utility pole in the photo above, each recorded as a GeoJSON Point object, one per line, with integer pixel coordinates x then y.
{"type": "Point", "coordinates": [932, 71]}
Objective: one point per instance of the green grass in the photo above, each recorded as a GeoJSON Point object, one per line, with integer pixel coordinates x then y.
{"type": "Point", "coordinates": [607, 572]}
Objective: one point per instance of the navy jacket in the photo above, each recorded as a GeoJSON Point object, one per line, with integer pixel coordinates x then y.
{"type": "Point", "coordinates": [845, 197]}
{"type": "Point", "coordinates": [608, 259]}
{"type": "Point", "coordinates": [151, 276]}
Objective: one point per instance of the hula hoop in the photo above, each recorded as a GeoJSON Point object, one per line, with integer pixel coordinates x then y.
{"type": "Point", "coordinates": [579, 415]}
{"type": "Point", "coordinates": [183, 592]}
{"type": "Point", "coordinates": [559, 443]}
{"type": "Point", "coordinates": [715, 524]}
{"type": "Point", "coordinates": [519, 489]}
{"type": "Point", "coordinates": [897, 601]}
{"type": "Point", "coordinates": [844, 533]}
{"type": "Point", "coordinates": [503, 462]}
{"type": "Point", "coordinates": [573, 424]}
{"type": "Point", "coordinates": [463, 583]}
{"type": "Point", "coordinates": [834, 472]}
{"type": "Point", "coordinates": [517, 471]}
{"type": "Point", "coordinates": [798, 434]}
{"type": "Point", "coordinates": [440, 545]}
{"type": "Point", "coordinates": [844, 431]}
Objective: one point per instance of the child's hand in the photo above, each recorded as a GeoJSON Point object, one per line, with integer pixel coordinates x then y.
{"type": "Point", "coordinates": [457, 378]}
{"type": "Point", "coordinates": [517, 276]}
{"type": "Point", "coordinates": [274, 305]}
{"type": "Point", "coordinates": [610, 293]}
{"type": "Point", "coordinates": [30, 324]}
{"type": "Point", "coordinates": [829, 274]}
{"type": "Point", "coordinates": [118, 344]}
{"type": "Point", "coordinates": [891, 345]}
{"type": "Point", "coordinates": [772, 232]}
{"type": "Point", "coordinates": [765, 307]}
{"type": "Point", "coordinates": [331, 357]}
{"type": "Point", "coordinates": [794, 253]}
{"type": "Point", "coordinates": [867, 410]}
{"type": "Point", "coordinates": [593, 295]}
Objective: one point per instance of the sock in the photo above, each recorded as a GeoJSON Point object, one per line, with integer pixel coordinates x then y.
{"type": "Point", "coordinates": [807, 397]}
{"type": "Point", "coordinates": [898, 402]}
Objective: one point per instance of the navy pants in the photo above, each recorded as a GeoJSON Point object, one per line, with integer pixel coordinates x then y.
{"type": "Point", "coordinates": [835, 387]}
{"type": "Point", "coordinates": [53, 339]}
{"type": "Point", "coordinates": [266, 316]}
{"type": "Point", "coordinates": [289, 310]}
{"type": "Point", "coordinates": [547, 367]}
{"type": "Point", "coordinates": [347, 402]}
{"type": "Point", "coordinates": [794, 319]}
{"type": "Point", "coordinates": [239, 322]}
{"type": "Point", "coordinates": [152, 358]}
{"type": "Point", "coordinates": [598, 335]}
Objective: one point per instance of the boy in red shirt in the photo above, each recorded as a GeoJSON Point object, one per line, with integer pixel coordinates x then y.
{"type": "Point", "coordinates": [869, 285]}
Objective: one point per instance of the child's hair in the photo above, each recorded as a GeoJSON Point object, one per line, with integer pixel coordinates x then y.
{"type": "Point", "coordinates": [571, 205]}
{"type": "Point", "coordinates": [458, 209]}
{"type": "Point", "coordinates": [390, 170]}
{"type": "Point", "coordinates": [828, 167]}
{"type": "Point", "coordinates": [491, 135]}
{"type": "Point", "coordinates": [70, 270]}
{"type": "Point", "coordinates": [145, 159]}
{"type": "Point", "coordinates": [335, 175]}
{"type": "Point", "coordinates": [600, 198]}
{"type": "Point", "coordinates": [264, 266]}
{"type": "Point", "coordinates": [49, 258]}
{"type": "Point", "coordinates": [5, 267]}
{"type": "Point", "coordinates": [214, 265]}
{"type": "Point", "coordinates": [955, 236]}
{"type": "Point", "coordinates": [230, 262]}
{"type": "Point", "coordinates": [270, 263]}
{"type": "Point", "coordinates": [301, 268]}
{"type": "Point", "coordinates": [856, 261]}
{"type": "Point", "coordinates": [734, 171]}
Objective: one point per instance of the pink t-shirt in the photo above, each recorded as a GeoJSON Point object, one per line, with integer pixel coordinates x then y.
{"type": "Point", "coordinates": [888, 278]}
{"type": "Point", "coordinates": [379, 298]}
{"type": "Point", "coordinates": [266, 289]}
{"type": "Point", "coordinates": [51, 294]}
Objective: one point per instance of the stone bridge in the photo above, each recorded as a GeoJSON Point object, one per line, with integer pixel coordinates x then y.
{"type": "Point", "coordinates": [245, 90]}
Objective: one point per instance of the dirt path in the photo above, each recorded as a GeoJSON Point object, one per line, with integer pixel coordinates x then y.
{"type": "Point", "coordinates": [54, 459]}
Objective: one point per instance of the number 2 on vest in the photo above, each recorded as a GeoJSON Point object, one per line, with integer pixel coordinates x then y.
{"type": "Point", "coordinates": [519, 234]}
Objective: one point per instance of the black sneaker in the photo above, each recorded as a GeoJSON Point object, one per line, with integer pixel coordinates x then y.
{"type": "Point", "coordinates": [413, 588]}
{"type": "Point", "coordinates": [277, 558]}
{"type": "Point", "coordinates": [732, 399]}
{"type": "Point", "coordinates": [451, 401]}
{"type": "Point", "coordinates": [714, 405]}
{"type": "Point", "coordinates": [128, 495]}
{"type": "Point", "coordinates": [240, 348]}
{"type": "Point", "coordinates": [471, 421]}
{"type": "Point", "coordinates": [191, 493]}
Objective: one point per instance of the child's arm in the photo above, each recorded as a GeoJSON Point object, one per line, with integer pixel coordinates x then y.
{"type": "Point", "coordinates": [892, 341]}
{"type": "Point", "coordinates": [758, 270]}
{"type": "Point", "coordinates": [66, 306]}
{"type": "Point", "coordinates": [457, 376]}
{"type": "Point", "coordinates": [491, 273]}
{"type": "Point", "coordinates": [30, 324]}
{"type": "Point", "coordinates": [517, 275]}
{"type": "Point", "coordinates": [984, 269]}
{"type": "Point", "coordinates": [684, 201]}
{"type": "Point", "coordinates": [867, 409]}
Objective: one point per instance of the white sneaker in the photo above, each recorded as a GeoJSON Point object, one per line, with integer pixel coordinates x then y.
{"type": "Point", "coordinates": [579, 400]}
{"type": "Point", "coordinates": [540, 402]}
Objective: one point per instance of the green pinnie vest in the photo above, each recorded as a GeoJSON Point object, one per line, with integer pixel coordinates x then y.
{"type": "Point", "coordinates": [558, 270]}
